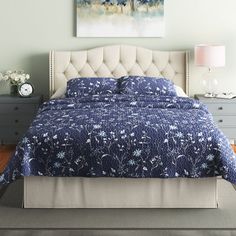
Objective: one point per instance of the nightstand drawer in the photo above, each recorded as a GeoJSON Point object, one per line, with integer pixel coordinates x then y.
{"type": "Point", "coordinates": [229, 132]}
{"type": "Point", "coordinates": [16, 115]}
{"type": "Point", "coordinates": [16, 120]}
{"type": "Point", "coordinates": [223, 121]}
{"type": "Point", "coordinates": [17, 108]}
{"type": "Point", "coordinates": [11, 135]}
{"type": "Point", "coordinates": [222, 109]}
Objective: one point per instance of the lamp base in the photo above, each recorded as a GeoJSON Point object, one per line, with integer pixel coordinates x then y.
{"type": "Point", "coordinates": [210, 84]}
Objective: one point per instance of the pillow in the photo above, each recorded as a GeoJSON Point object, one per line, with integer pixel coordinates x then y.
{"type": "Point", "coordinates": [80, 87]}
{"type": "Point", "coordinates": [60, 93]}
{"type": "Point", "coordinates": [180, 92]}
{"type": "Point", "coordinates": [146, 85]}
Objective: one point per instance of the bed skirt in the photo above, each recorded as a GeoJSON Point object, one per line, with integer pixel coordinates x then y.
{"type": "Point", "coordinates": [77, 192]}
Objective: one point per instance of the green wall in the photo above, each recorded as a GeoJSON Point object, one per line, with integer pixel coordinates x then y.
{"type": "Point", "coordinates": [29, 29]}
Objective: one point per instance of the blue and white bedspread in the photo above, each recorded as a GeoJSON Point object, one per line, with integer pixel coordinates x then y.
{"type": "Point", "coordinates": [123, 136]}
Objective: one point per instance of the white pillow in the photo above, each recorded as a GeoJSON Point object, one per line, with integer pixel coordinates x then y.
{"type": "Point", "coordinates": [180, 92]}
{"type": "Point", "coordinates": [60, 93]}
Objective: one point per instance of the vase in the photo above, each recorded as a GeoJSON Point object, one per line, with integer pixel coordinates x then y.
{"type": "Point", "coordinates": [14, 90]}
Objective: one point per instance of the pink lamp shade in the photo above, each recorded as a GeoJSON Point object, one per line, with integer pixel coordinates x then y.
{"type": "Point", "coordinates": [210, 55]}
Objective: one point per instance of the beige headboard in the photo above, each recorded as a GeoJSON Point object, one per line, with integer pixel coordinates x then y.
{"type": "Point", "coordinates": [116, 61]}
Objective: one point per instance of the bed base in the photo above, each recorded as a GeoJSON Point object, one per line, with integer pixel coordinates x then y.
{"type": "Point", "coordinates": [76, 192]}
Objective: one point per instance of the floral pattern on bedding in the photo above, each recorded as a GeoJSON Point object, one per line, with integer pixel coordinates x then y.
{"type": "Point", "coordinates": [123, 136]}
{"type": "Point", "coordinates": [141, 85]}
{"type": "Point", "coordinates": [85, 86]}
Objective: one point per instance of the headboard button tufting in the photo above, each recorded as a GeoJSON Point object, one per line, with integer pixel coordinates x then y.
{"type": "Point", "coordinates": [117, 61]}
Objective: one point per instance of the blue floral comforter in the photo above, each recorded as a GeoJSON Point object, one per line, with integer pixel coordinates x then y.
{"type": "Point", "coordinates": [123, 136]}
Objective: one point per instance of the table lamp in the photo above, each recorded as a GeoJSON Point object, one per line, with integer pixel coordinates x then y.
{"type": "Point", "coordinates": [210, 56]}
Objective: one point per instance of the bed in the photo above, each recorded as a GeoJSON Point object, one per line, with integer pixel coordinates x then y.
{"type": "Point", "coordinates": [128, 190]}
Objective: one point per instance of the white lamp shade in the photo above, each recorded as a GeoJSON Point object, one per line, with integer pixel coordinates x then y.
{"type": "Point", "coordinates": [210, 55]}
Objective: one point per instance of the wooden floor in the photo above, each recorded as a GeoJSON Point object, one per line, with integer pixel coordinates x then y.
{"type": "Point", "coordinates": [6, 152]}
{"type": "Point", "coordinates": [234, 147]}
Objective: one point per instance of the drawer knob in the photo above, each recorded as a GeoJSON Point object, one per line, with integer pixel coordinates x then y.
{"type": "Point", "coordinates": [16, 121]}
{"type": "Point", "coordinates": [16, 108]}
{"type": "Point", "coordinates": [220, 108]}
{"type": "Point", "coordinates": [16, 133]}
{"type": "Point", "coordinates": [220, 121]}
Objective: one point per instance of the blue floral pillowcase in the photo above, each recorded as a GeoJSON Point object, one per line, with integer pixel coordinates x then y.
{"type": "Point", "coordinates": [133, 85]}
{"type": "Point", "coordinates": [80, 87]}
{"type": "Point", "coordinates": [142, 85]}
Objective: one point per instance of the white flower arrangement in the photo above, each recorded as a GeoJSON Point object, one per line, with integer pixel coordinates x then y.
{"type": "Point", "coordinates": [16, 77]}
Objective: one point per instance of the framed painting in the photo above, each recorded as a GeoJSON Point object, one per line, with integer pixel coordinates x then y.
{"type": "Point", "coordinates": [120, 18]}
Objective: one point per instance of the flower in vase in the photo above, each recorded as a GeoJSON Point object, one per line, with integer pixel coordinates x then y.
{"type": "Point", "coordinates": [15, 77]}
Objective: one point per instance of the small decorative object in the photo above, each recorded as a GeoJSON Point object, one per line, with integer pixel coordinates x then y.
{"type": "Point", "coordinates": [229, 95]}
{"type": "Point", "coordinates": [15, 78]}
{"type": "Point", "coordinates": [25, 89]}
{"type": "Point", "coordinates": [210, 56]}
{"type": "Point", "coordinates": [120, 18]}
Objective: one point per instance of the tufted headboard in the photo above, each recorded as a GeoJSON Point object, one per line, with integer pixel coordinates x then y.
{"type": "Point", "coordinates": [116, 61]}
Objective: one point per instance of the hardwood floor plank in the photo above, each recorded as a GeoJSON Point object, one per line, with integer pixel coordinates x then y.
{"type": "Point", "coordinates": [6, 152]}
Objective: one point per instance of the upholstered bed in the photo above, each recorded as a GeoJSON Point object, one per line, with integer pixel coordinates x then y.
{"type": "Point", "coordinates": [118, 134]}
{"type": "Point", "coordinates": [118, 61]}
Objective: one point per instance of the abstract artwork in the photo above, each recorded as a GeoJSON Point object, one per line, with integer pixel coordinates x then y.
{"type": "Point", "coordinates": [120, 18]}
